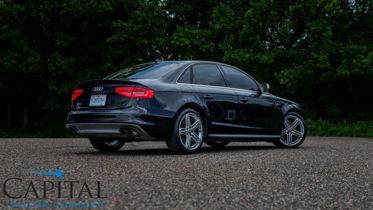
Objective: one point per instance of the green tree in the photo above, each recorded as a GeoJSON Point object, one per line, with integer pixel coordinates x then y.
{"type": "Point", "coordinates": [318, 53]}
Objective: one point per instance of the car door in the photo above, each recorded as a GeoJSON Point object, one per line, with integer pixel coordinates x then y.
{"type": "Point", "coordinates": [210, 86]}
{"type": "Point", "coordinates": [257, 112]}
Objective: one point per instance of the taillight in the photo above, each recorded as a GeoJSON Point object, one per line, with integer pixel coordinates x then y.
{"type": "Point", "coordinates": [76, 94]}
{"type": "Point", "coordinates": [135, 92]}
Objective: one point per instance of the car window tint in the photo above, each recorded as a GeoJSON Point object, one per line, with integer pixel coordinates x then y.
{"type": "Point", "coordinates": [185, 77]}
{"type": "Point", "coordinates": [145, 71]}
{"type": "Point", "coordinates": [207, 74]}
{"type": "Point", "coordinates": [237, 79]}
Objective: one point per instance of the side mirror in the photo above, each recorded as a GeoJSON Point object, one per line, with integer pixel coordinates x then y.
{"type": "Point", "coordinates": [265, 87]}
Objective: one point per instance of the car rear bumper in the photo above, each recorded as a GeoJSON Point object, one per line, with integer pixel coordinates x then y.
{"type": "Point", "coordinates": [108, 130]}
{"type": "Point", "coordinates": [134, 123]}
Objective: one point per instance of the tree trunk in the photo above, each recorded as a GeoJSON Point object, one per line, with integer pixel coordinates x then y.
{"type": "Point", "coordinates": [25, 112]}
{"type": "Point", "coordinates": [9, 114]}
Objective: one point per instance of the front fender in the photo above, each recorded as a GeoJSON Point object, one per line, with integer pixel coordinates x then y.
{"type": "Point", "coordinates": [292, 107]}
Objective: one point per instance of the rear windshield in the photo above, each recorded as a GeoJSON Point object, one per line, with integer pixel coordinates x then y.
{"type": "Point", "coordinates": [145, 71]}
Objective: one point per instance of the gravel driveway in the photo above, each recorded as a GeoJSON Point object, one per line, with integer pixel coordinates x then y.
{"type": "Point", "coordinates": [324, 173]}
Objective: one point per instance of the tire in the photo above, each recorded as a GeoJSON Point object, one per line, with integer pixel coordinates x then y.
{"type": "Point", "coordinates": [293, 131]}
{"type": "Point", "coordinates": [187, 138]}
{"type": "Point", "coordinates": [217, 144]}
{"type": "Point", "coordinates": [109, 145]}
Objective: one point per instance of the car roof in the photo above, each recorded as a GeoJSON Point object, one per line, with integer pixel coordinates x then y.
{"type": "Point", "coordinates": [192, 62]}
{"type": "Point", "coordinates": [181, 66]}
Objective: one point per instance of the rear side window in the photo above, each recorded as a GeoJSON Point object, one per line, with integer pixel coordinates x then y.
{"type": "Point", "coordinates": [207, 74]}
{"type": "Point", "coordinates": [186, 77]}
{"type": "Point", "coordinates": [237, 79]}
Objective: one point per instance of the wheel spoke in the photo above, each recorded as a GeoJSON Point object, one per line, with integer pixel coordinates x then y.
{"type": "Point", "coordinates": [183, 131]}
{"type": "Point", "coordinates": [297, 133]}
{"type": "Point", "coordinates": [187, 121]}
{"type": "Point", "coordinates": [295, 123]}
{"type": "Point", "coordinates": [112, 143]}
{"type": "Point", "coordinates": [289, 138]}
{"type": "Point", "coordinates": [195, 125]}
{"type": "Point", "coordinates": [187, 141]}
{"type": "Point", "coordinates": [194, 137]}
{"type": "Point", "coordinates": [286, 123]}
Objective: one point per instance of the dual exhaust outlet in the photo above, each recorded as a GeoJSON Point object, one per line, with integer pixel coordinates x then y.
{"type": "Point", "coordinates": [129, 132]}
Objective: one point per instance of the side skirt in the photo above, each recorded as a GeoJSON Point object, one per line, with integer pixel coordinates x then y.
{"type": "Point", "coordinates": [243, 137]}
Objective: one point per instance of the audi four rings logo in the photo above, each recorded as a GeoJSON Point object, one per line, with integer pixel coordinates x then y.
{"type": "Point", "coordinates": [98, 88]}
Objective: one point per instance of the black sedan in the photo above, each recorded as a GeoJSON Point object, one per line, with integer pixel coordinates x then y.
{"type": "Point", "coordinates": [184, 103]}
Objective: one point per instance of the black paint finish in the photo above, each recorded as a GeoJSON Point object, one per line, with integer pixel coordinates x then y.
{"type": "Point", "coordinates": [226, 110]}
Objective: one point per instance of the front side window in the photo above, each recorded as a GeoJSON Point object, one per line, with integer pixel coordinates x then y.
{"type": "Point", "coordinates": [207, 74]}
{"type": "Point", "coordinates": [237, 79]}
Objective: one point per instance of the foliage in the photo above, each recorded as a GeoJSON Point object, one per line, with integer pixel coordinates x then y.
{"type": "Point", "coordinates": [343, 128]}
{"type": "Point", "coordinates": [318, 53]}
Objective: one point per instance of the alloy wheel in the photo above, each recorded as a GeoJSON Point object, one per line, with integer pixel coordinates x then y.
{"type": "Point", "coordinates": [293, 131]}
{"type": "Point", "coordinates": [112, 143]}
{"type": "Point", "coordinates": [190, 131]}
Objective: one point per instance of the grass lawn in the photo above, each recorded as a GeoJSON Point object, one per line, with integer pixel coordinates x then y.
{"type": "Point", "coordinates": [327, 128]}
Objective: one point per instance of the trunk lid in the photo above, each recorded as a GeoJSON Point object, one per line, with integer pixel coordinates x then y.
{"type": "Point", "coordinates": [100, 94]}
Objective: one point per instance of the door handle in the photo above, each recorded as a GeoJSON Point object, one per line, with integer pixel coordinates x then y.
{"type": "Point", "coordinates": [208, 97]}
{"type": "Point", "coordinates": [244, 100]}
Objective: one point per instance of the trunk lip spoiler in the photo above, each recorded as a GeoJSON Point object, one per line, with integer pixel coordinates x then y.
{"type": "Point", "coordinates": [107, 81]}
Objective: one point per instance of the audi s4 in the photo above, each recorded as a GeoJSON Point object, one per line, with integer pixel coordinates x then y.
{"type": "Point", "coordinates": [185, 104]}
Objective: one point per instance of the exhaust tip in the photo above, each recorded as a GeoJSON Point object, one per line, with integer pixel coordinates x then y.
{"type": "Point", "coordinates": [132, 132]}
{"type": "Point", "coordinates": [129, 132]}
{"type": "Point", "coordinates": [123, 131]}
